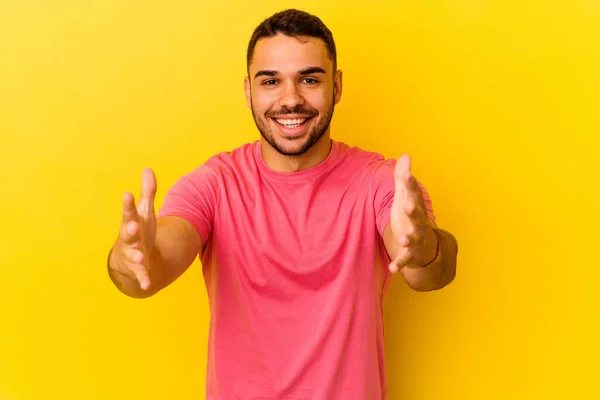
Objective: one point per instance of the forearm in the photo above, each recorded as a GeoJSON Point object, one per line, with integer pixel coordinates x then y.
{"type": "Point", "coordinates": [440, 272]}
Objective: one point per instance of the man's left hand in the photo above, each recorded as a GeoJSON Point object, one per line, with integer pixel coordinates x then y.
{"type": "Point", "coordinates": [410, 222]}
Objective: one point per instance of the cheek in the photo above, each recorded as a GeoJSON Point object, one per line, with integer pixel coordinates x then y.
{"type": "Point", "coordinates": [261, 103]}
{"type": "Point", "coordinates": [320, 104]}
{"type": "Point", "coordinates": [321, 99]}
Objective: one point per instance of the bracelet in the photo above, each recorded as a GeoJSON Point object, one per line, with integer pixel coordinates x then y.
{"type": "Point", "coordinates": [437, 250]}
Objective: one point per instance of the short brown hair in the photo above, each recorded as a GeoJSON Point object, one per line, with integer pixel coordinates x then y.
{"type": "Point", "coordinates": [293, 23]}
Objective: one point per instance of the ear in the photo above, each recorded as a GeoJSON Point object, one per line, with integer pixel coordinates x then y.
{"type": "Point", "coordinates": [248, 93]}
{"type": "Point", "coordinates": [337, 87]}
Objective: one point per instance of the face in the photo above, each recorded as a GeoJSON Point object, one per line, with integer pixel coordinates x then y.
{"type": "Point", "coordinates": [292, 90]}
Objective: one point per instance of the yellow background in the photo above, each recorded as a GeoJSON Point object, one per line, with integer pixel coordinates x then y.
{"type": "Point", "coordinates": [497, 102]}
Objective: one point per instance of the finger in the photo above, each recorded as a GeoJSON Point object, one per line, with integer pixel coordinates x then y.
{"type": "Point", "coordinates": [149, 185]}
{"type": "Point", "coordinates": [142, 276]}
{"type": "Point", "coordinates": [403, 174]}
{"type": "Point", "coordinates": [129, 210]}
{"type": "Point", "coordinates": [415, 199]}
{"type": "Point", "coordinates": [401, 260]}
{"type": "Point", "coordinates": [401, 169]}
{"type": "Point", "coordinates": [414, 210]}
{"type": "Point", "coordinates": [402, 166]}
{"type": "Point", "coordinates": [404, 179]}
{"type": "Point", "coordinates": [413, 240]}
{"type": "Point", "coordinates": [134, 256]}
{"type": "Point", "coordinates": [130, 232]}
{"type": "Point", "coordinates": [404, 241]}
{"type": "Point", "coordinates": [404, 259]}
{"type": "Point", "coordinates": [411, 184]}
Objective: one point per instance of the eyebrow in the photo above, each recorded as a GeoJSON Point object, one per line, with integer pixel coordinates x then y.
{"type": "Point", "coordinates": [305, 71]}
{"type": "Point", "coordinates": [312, 70]}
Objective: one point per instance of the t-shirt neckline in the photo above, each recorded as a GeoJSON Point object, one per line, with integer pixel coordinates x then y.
{"type": "Point", "coordinates": [303, 174]}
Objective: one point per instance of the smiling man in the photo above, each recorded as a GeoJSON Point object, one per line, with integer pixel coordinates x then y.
{"type": "Point", "coordinates": [298, 235]}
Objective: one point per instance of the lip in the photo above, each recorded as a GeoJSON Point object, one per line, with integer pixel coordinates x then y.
{"type": "Point", "coordinates": [292, 132]}
{"type": "Point", "coordinates": [292, 116]}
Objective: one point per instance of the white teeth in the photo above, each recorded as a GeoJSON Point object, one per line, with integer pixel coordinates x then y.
{"type": "Point", "coordinates": [291, 123]}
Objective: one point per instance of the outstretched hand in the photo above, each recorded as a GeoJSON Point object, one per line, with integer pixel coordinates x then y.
{"type": "Point", "coordinates": [410, 222]}
{"type": "Point", "coordinates": [131, 254]}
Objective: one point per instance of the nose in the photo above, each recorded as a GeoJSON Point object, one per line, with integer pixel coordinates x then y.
{"type": "Point", "coordinates": [291, 96]}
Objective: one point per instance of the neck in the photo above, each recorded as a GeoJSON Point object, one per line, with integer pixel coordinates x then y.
{"type": "Point", "coordinates": [282, 163]}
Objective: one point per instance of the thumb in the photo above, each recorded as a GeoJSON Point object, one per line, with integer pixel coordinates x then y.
{"type": "Point", "coordinates": [402, 167]}
{"type": "Point", "coordinates": [149, 185]}
{"type": "Point", "coordinates": [401, 172]}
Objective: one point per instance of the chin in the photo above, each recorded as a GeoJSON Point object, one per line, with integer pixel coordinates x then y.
{"type": "Point", "coordinates": [291, 146]}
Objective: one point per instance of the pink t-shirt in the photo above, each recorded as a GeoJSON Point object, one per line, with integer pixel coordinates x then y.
{"type": "Point", "coordinates": [296, 273]}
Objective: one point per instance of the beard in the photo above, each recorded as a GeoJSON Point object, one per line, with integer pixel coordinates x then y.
{"type": "Point", "coordinates": [313, 136]}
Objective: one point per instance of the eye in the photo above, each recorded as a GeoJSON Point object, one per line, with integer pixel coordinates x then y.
{"type": "Point", "coordinates": [269, 82]}
{"type": "Point", "coordinates": [310, 81]}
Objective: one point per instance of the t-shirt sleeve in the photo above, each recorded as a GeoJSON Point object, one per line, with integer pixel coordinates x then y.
{"type": "Point", "coordinates": [384, 188]}
{"type": "Point", "coordinates": [193, 198]}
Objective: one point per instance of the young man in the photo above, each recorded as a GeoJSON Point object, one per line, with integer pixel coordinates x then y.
{"type": "Point", "coordinates": [298, 235]}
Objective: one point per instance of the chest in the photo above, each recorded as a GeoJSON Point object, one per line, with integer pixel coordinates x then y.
{"type": "Point", "coordinates": [304, 215]}
{"type": "Point", "coordinates": [281, 237]}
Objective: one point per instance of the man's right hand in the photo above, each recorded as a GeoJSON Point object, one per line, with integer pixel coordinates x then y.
{"type": "Point", "coordinates": [131, 253]}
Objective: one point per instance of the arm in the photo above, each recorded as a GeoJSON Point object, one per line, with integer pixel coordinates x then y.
{"type": "Point", "coordinates": [423, 253]}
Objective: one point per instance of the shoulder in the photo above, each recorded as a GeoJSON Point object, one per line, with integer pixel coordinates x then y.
{"type": "Point", "coordinates": [225, 164]}
{"type": "Point", "coordinates": [367, 161]}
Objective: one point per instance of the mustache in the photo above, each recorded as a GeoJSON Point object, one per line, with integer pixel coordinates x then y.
{"type": "Point", "coordinates": [296, 110]}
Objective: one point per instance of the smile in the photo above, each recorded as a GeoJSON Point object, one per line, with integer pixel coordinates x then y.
{"type": "Point", "coordinates": [291, 123]}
